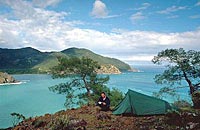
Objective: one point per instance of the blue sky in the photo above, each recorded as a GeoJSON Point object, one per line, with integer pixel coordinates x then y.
{"type": "Point", "coordinates": [131, 30]}
{"type": "Point", "coordinates": [152, 14]}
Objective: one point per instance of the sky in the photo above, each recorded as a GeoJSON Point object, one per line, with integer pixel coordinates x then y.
{"type": "Point", "coordinates": [131, 30]}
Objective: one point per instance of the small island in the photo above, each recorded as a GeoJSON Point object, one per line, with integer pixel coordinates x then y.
{"type": "Point", "coordinates": [6, 78]}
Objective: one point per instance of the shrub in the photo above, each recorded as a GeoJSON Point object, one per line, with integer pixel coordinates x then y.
{"type": "Point", "coordinates": [115, 97]}
{"type": "Point", "coordinates": [60, 123]}
{"type": "Point", "coordinates": [196, 99]}
{"type": "Point", "coordinates": [63, 122]}
{"type": "Point", "coordinates": [182, 104]}
{"type": "Point", "coordinates": [39, 123]}
{"type": "Point", "coordinates": [17, 118]}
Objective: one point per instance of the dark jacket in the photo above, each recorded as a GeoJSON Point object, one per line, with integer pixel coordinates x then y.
{"type": "Point", "coordinates": [107, 101]}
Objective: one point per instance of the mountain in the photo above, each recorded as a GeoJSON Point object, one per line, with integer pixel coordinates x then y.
{"type": "Point", "coordinates": [20, 58]}
{"type": "Point", "coordinates": [101, 59]}
{"type": "Point", "coordinates": [30, 60]}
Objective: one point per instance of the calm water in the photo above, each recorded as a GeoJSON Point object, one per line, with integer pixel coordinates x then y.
{"type": "Point", "coordinates": [33, 97]}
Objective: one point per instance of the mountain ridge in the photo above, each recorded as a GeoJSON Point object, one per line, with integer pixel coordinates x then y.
{"type": "Point", "coordinates": [31, 60]}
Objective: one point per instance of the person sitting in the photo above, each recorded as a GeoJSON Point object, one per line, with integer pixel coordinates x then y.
{"type": "Point", "coordinates": [104, 102]}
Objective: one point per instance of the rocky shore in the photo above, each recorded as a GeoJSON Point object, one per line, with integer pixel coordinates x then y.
{"type": "Point", "coordinates": [108, 69]}
{"type": "Point", "coordinates": [6, 78]}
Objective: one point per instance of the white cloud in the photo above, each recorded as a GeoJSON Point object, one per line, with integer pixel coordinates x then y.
{"type": "Point", "coordinates": [45, 3]}
{"type": "Point", "coordinates": [21, 9]}
{"type": "Point", "coordinates": [144, 6]}
{"type": "Point", "coordinates": [138, 57]}
{"type": "Point", "coordinates": [99, 9]}
{"type": "Point", "coordinates": [172, 9]}
{"type": "Point", "coordinates": [137, 16]}
{"type": "Point", "coordinates": [195, 16]}
{"type": "Point", "coordinates": [197, 4]}
{"type": "Point", "coordinates": [46, 30]}
{"type": "Point", "coordinates": [172, 17]}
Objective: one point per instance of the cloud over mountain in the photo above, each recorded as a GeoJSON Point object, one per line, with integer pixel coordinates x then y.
{"type": "Point", "coordinates": [49, 30]}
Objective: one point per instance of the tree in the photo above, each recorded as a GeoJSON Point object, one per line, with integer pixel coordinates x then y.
{"type": "Point", "coordinates": [83, 84]}
{"type": "Point", "coordinates": [181, 66]}
{"type": "Point", "coordinates": [17, 118]}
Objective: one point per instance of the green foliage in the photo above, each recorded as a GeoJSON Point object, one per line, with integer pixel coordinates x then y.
{"type": "Point", "coordinates": [116, 96]}
{"type": "Point", "coordinates": [178, 62]}
{"type": "Point", "coordinates": [82, 79]}
{"type": "Point", "coordinates": [17, 118]}
{"type": "Point", "coordinates": [63, 122]}
{"type": "Point", "coordinates": [75, 52]}
{"type": "Point", "coordinates": [26, 60]}
{"type": "Point", "coordinates": [181, 66]}
{"type": "Point", "coordinates": [83, 85]}
{"type": "Point", "coordinates": [39, 123]}
{"type": "Point", "coordinates": [164, 91]}
{"type": "Point", "coordinates": [60, 123]}
{"type": "Point", "coordinates": [182, 104]}
{"type": "Point", "coordinates": [20, 71]}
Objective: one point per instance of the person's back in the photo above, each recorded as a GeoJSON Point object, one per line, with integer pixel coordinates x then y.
{"type": "Point", "coordinates": [104, 102]}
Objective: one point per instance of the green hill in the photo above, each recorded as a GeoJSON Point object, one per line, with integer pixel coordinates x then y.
{"type": "Point", "coordinates": [30, 60]}
{"type": "Point", "coordinates": [14, 60]}
{"type": "Point", "coordinates": [101, 59]}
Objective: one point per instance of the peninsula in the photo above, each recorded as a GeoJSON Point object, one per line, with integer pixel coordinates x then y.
{"type": "Point", "coordinates": [6, 78]}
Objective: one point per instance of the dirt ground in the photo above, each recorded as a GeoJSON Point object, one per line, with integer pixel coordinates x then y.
{"type": "Point", "coordinates": [90, 118]}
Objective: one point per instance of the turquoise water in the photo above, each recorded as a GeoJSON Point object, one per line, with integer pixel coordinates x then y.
{"type": "Point", "coordinates": [33, 98]}
{"type": "Point", "coordinates": [30, 98]}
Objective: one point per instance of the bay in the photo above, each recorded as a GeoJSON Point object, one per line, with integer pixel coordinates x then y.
{"type": "Point", "coordinates": [33, 98]}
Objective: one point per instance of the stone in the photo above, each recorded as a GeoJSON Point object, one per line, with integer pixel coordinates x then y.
{"type": "Point", "coordinates": [108, 69]}
{"type": "Point", "coordinates": [6, 78]}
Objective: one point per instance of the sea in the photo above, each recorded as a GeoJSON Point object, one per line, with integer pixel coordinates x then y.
{"type": "Point", "coordinates": [31, 97]}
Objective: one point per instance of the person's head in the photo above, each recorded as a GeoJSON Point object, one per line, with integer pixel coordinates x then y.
{"type": "Point", "coordinates": [103, 95]}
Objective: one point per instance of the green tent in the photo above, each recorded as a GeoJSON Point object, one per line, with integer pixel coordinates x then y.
{"type": "Point", "coordinates": [135, 103]}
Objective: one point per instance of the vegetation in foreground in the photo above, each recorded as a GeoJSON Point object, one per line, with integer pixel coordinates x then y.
{"type": "Point", "coordinates": [89, 118]}
{"type": "Point", "coordinates": [83, 85]}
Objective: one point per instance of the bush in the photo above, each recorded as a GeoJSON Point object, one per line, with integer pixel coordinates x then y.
{"type": "Point", "coordinates": [39, 123]}
{"type": "Point", "coordinates": [115, 97]}
{"type": "Point", "coordinates": [196, 99]}
{"type": "Point", "coordinates": [17, 117]}
{"type": "Point", "coordinates": [60, 123]}
{"type": "Point", "coordinates": [182, 104]}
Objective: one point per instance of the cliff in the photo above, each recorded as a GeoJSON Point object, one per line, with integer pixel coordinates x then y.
{"type": "Point", "coordinates": [108, 69]}
{"type": "Point", "coordinates": [6, 78]}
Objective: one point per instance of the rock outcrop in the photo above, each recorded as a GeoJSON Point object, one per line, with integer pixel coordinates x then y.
{"type": "Point", "coordinates": [6, 78]}
{"type": "Point", "coordinates": [108, 69]}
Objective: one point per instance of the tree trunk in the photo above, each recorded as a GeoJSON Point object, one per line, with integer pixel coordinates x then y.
{"type": "Point", "coordinates": [86, 86]}
{"type": "Point", "coordinates": [192, 90]}
{"type": "Point", "coordinates": [195, 99]}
